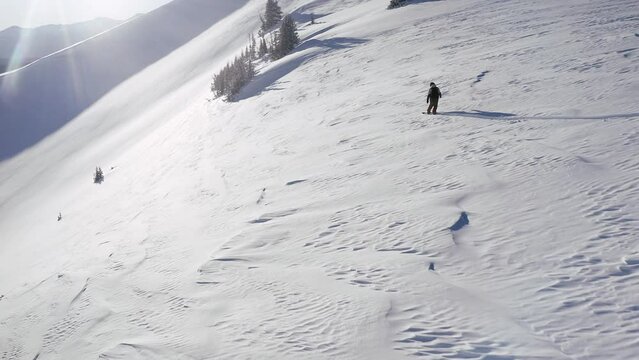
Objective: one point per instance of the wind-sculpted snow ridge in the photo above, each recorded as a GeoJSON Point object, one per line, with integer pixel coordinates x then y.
{"type": "Point", "coordinates": [300, 222]}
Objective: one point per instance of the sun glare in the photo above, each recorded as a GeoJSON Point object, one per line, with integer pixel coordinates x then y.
{"type": "Point", "coordinates": [20, 56]}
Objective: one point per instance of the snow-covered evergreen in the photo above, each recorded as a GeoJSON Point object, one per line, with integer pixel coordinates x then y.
{"type": "Point", "coordinates": [288, 38]}
{"type": "Point", "coordinates": [272, 15]}
{"type": "Point", "coordinates": [235, 75]}
{"type": "Point", "coordinates": [98, 176]}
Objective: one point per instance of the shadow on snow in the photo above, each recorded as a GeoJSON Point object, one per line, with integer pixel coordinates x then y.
{"type": "Point", "coordinates": [510, 116]}
{"type": "Point", "coordinates": [412, 2]}
{"type": "Point", "coordinates": [479, 113]}
{"type": "Point", "coordinates": [265, 81]}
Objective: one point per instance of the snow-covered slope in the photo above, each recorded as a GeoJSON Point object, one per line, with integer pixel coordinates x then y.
{"type": "Point", "coordinates": [300, 221]}
{"type": "Point", "coordinates": [76, 78]}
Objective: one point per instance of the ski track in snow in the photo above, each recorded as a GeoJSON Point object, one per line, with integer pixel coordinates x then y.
{"type": "Point", "coordinates": [299, 222]}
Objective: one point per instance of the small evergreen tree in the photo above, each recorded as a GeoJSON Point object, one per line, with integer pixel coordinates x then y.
{"type": "Point", "coordinates": [98, 177]}
{"type": "Point", "coordinates": [239, 72]}
{"type": "Point", "coordinates": [253, 47]}
{"type": "Point", "coordinates": [272, 15]}
{"type": "Point", "coordinates": [263, 50]}
{"type": "Point", "coordinates": [272, 44]}
{"type": "Point", "coordinates": [230, 80]}
{"type": "Point", "coordinates": [287, 39]}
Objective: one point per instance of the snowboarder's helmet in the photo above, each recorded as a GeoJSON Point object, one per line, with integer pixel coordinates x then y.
{"type": "Point", "coordinates": [432, 84]}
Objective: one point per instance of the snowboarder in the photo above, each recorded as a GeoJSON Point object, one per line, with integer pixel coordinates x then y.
{"type": "Point", "coordinates": [59, 216]}
{"type": "Point", "coordinates": [433, 98]}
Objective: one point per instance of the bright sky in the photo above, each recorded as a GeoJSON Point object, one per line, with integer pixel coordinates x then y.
{"type": "Point", "coordinates": [31, 13]}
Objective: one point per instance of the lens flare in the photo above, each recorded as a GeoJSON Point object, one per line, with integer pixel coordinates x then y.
{"type": "Point", "coordinates": [68, 55]}
{"type": "Point", "coordinates": [18, 57]}
{"type": "Point", "coordinates": [23, 53]}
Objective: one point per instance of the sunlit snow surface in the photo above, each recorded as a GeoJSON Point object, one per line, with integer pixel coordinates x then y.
{"type": "Point", "coordinates": [300, 221]}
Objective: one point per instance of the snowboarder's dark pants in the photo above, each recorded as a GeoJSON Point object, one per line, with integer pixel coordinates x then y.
{"type": "Point", "coordinates": [433, 106]}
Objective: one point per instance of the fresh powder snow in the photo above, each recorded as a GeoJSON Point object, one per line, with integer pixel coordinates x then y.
{"type": "Point", "coordinates": [322, 215]}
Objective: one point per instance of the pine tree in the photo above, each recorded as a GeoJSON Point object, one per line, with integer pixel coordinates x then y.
{"type": "Point", "coordinates": [235, 75]}
{"type": "Point", "coordinates": [98, 177]}
{"type": "Point", "coordinates": [253, 47]}
{"type": "Point", "coordinates": [250, 68]}
{"type": "Point", "coordinates": [263, 50]}
{"type": "Point", "coordinates": [272, 15]}
{"type": "Point", "coordinates": [239, 72]}
{"type": "Point", "coordinates": [287, 39]}
{"type": "Point", "coordinates": [272, 47]}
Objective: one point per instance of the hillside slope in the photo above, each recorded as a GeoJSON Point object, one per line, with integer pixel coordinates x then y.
{"type": "Point", "coordinates": [300, 221]}
{"type": "Point", "coordinates": [31, 109]}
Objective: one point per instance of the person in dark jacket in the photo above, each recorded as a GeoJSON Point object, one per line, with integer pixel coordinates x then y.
{"type": "Point", "coordinates": [433, 98]}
